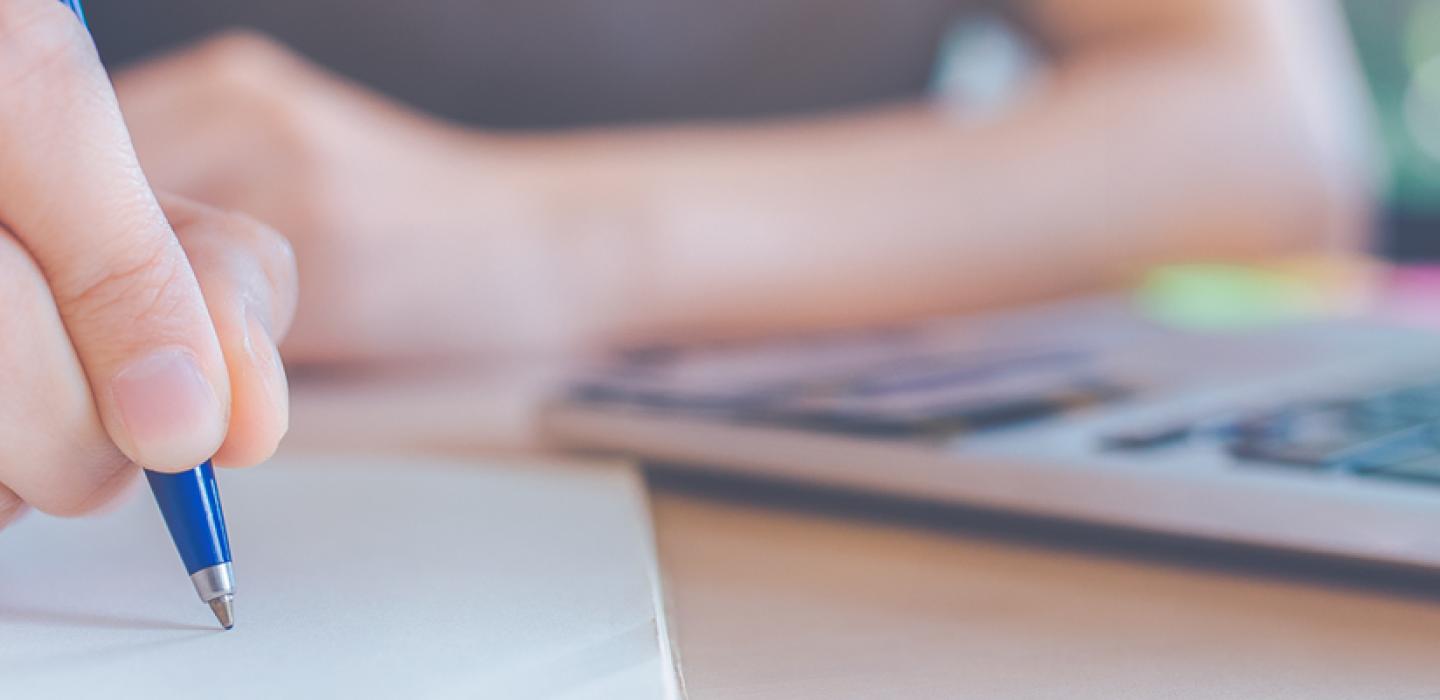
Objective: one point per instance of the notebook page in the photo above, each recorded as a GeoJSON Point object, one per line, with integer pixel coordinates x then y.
{"type": "Point", "coordinates": [372, 577]}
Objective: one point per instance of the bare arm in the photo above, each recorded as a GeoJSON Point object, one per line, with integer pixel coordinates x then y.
{"type": "Point", "coordinates": [1167, 131]}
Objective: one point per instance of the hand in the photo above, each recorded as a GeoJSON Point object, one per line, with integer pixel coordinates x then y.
{"type": "Point", "coordinates": [409, 232]}
{"type": "Point", "coordinates": [124, 343]}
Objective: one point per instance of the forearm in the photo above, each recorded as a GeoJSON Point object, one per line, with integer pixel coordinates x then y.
{"type": "Point", "coordinates": [1116, 165]}
{"type": "Point", "coordinates": [1183, 129]}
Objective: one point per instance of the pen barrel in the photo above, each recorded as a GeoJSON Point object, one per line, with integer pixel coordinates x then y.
{"type": "Point", "coordinates": [190, 503]}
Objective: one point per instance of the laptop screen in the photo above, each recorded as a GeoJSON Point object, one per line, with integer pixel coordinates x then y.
{"type": "Point", "coordinates": [1398, 42]}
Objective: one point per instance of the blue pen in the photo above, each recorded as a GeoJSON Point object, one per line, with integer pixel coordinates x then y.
{"type": "Point", "coordinates": [190, 503]}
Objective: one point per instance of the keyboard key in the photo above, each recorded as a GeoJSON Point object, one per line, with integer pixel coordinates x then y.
{"type": "Point", "coordinates": [1426, 469]}
{"type": "Point", "coordinates": [1416, 443]}
{"type": "Point", "coordinates": [875, 419]}
{"type": "Point", "coordinates": [1139, 439]}
{"type": "Point", "coordinates": [1316, 456]}
{"type": "Point", "coordinates": [1318, 435]}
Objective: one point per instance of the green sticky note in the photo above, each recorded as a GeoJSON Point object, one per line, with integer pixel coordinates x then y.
{"type": "Point", "coordinates": [1214, 296]}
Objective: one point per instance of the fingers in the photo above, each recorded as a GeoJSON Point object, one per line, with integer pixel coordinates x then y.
{"type": "Point", "coordinates": [247, 273]}
{"type": "Point", "coordinates": [54, 452]}
{"type": "Point", "coordinates": [73, 194]}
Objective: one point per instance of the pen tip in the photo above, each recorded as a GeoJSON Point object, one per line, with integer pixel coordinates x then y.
{"type": "Point", "coordinates": [224, 609]}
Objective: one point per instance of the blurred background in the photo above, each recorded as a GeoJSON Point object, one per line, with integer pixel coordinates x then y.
{"type": "Point", "coordinates": [504, 63]}
{"type": "Point", "coordinates": [1398, 42]}
{"type": "Point", "coordinates": [503, 66]}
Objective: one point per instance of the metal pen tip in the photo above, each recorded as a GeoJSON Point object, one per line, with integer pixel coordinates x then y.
{"type": "Point", "coordinates": [224, 609]}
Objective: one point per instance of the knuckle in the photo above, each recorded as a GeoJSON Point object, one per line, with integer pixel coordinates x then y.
{"type": "Point", "coordinates": [39, 38]}
{"type": "Point", "coordinates": [241, 58]}
{"type": "Point", "coordinates": [260, 243]}
{"type": "Point", "coordinates": [146, 285]}
{"type": "Point", "coordinates": [248, 73]}
{"type": "Point", "coordinates": [273, 250]}
{"type": "Point", "coordinates": [245, 42]}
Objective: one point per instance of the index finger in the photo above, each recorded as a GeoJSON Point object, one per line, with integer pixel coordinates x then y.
{"type": "Point", "coordinates": [71, 190]}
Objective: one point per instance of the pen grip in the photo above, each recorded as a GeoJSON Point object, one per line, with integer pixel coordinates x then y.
{"type": "Point", "coordinates": [190, 503]}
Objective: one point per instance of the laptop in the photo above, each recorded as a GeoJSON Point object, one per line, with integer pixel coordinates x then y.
{"type": "Point", "coordinates": [1312, 434]}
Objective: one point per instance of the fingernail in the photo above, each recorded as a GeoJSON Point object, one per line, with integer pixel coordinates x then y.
{"type": "Point", "coordinates": [169, 410]}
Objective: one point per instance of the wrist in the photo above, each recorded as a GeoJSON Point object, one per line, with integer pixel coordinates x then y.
{"type": "Point", "coordinates": [585, 215]}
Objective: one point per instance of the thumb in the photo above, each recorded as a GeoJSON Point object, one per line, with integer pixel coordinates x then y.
{"type": "Point", "coordinates": [72, 192]}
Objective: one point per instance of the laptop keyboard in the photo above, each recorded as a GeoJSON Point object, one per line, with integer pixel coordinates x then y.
{"type": "Point", "coordinates": [928, 397]}
{"type": "Point", "coordinates": [936, 384]}
{"type": "Point", "coordinates": [1387, 434]}
{"type": "Point", "coordinates": [1393, 433]}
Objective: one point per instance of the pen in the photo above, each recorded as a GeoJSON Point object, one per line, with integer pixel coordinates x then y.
{"type": "Point", "coordinates": [190, 504]}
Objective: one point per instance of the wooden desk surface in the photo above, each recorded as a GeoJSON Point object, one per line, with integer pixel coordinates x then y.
{"type": "Point", "coordinates": [798, 601]}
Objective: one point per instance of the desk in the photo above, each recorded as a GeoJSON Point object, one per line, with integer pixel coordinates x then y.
{"type": "Point", "coordinates": [832, 600]}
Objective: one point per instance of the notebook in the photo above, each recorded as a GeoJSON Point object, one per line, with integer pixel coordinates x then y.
{"type": "Point", "coordinates": [356, 577]}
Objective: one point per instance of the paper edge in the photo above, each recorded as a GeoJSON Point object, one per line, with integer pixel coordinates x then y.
{"type": "Point", "coordinates": [673, 681]}
{"type": "Point", "coordinates": [636, 482]}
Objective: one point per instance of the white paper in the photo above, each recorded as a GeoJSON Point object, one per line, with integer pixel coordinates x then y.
{"type": "Point", "coordinates": [366, 578]}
